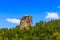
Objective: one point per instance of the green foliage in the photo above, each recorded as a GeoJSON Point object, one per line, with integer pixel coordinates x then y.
{"type": "Point", "coordinates": [41, 31]}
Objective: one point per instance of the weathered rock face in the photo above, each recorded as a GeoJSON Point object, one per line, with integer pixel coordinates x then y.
{"type": "Point", "coordinates": [25, 22]}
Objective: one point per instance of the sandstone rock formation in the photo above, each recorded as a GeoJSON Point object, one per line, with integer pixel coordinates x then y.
{"type": "Point", "coordinates": [25, 22]}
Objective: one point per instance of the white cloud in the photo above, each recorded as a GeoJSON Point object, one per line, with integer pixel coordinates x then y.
{"type": "Point", "coordinates": [14, 20]}
{"type": "Point", "coordinates": [58, 6]}
{"type": "Point", "coordinates": [52, 15]}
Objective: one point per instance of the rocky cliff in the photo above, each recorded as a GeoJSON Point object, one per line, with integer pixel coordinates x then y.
{"type": "Point", "coordinates": [25, 22]}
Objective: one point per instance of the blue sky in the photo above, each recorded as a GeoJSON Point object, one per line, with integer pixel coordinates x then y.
{"type": "Point", "coordinates": [11, 11]}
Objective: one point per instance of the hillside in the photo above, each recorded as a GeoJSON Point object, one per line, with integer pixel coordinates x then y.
{"type": "Point", "coordinates": [41, 31]}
